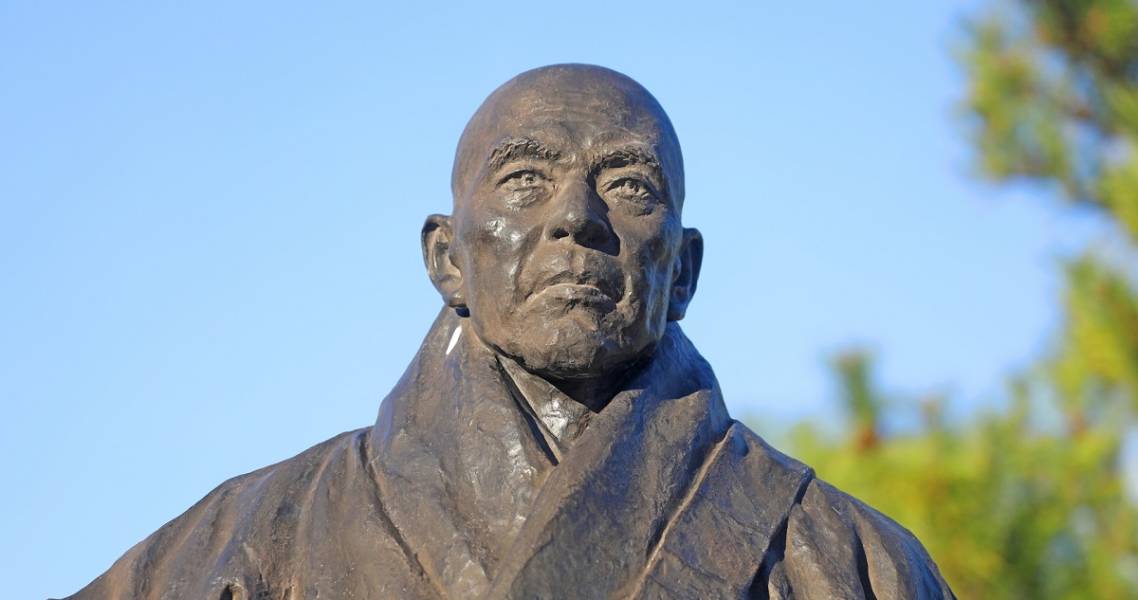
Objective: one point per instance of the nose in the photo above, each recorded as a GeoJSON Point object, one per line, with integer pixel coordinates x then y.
{"type": "Point", "coordinates": [579, 215]}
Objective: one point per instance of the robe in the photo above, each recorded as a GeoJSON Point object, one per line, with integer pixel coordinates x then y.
{"type": "Point", "coordinates": [454, 493]}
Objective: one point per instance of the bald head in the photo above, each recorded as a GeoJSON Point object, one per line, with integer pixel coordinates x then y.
{"type": "Point", "coordinates": [587, 108]}
{"type": "Point", "coordinates": [566, 250]}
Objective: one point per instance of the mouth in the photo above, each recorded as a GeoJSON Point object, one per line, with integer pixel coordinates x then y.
{"type": "Point", "coordinates": [575, 290]}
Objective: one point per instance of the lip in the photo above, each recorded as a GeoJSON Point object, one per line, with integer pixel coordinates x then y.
{"type": "Point", "coordinates": [577, 293]}
{"type": "Point", "coordinates": [584, 281]}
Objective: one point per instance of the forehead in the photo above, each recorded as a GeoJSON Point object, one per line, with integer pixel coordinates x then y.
{"type": "Point", "coordinates": [574, 112]}
{"type": "Point", "coordinates": [571, 121]}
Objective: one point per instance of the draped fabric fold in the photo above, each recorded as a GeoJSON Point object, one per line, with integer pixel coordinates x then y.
{"type": "Point", "coordinates": [455, 492]}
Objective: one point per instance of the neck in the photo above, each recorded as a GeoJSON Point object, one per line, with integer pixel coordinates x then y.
{"type": "Point", "coordinates": [594, 393]}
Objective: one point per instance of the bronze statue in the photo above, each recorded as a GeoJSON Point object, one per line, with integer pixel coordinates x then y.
{"type": "Point", "coordinates": [557, 435]}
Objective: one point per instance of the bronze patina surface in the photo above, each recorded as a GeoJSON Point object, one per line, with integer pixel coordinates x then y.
{"type": "Point", "coordinates": [557, 435]}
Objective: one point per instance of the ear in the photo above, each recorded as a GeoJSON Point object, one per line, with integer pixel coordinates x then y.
{"type": "Point", "coordinates": [436, 239]}
{"type": "Point", "coordinates": [685, 273]}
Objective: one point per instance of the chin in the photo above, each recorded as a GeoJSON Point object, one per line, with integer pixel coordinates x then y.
{"type": "Point", "coordinates": [570, 348]}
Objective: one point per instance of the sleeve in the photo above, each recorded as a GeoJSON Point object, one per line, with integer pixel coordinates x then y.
{"type": "Point", "coordinates": [189, 542]}
{"type": "Point", "coordinates": [838, 547]}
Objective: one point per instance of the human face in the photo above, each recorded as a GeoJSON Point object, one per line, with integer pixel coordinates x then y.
{"type": "Point", "coordinates": [568, 240]}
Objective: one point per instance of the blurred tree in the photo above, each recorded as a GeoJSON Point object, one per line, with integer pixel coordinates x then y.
{"type": "Point", "coordinates": [1029, 501]}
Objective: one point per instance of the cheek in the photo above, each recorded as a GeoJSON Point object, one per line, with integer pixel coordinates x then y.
{"type": "Point", "coordinates": [652, 251]}
{"type": "Point", "coordinates": [496, 246]}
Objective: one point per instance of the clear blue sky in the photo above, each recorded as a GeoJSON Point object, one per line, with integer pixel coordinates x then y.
{"type": "Point", "coordinates": [209, 222]}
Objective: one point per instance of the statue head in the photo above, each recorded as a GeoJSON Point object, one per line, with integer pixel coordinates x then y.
{"type": "Point", "coordinates": [565, 250]}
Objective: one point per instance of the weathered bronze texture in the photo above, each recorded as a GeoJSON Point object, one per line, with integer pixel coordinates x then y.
{"type": "Point", "coordinates": [557, 435]}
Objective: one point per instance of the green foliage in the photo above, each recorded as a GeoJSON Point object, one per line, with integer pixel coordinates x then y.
{"type": "Point", "coordinates": [1054, 97]}
{"type": "Point", "coordinates": [1095, 367]}
{"type": "Point", "coordinates": [1029, 501]}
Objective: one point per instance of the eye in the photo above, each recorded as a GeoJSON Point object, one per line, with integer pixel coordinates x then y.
{"type": "Point", "coordinates": [521, 179]}
{"type": "Point", "coordinates": [631, 188]}
{"type": "Point", "coordinates": [523, 187]}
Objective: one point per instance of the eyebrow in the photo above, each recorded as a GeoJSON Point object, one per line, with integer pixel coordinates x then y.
{"type": "Point", "coordinates": [516, 148]}
{"type": "Point", "coordinates": [626, 156]}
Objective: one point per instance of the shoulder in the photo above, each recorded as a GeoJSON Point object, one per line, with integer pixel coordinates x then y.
{"type": "Point", "coordinates": [829, 526]}
{"type": "Point", "coordinates": [293, 473]}
{"type": "Point", "coordinates": [240, 509]}
{"type": "Point", "coordinates": [836, 546]}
